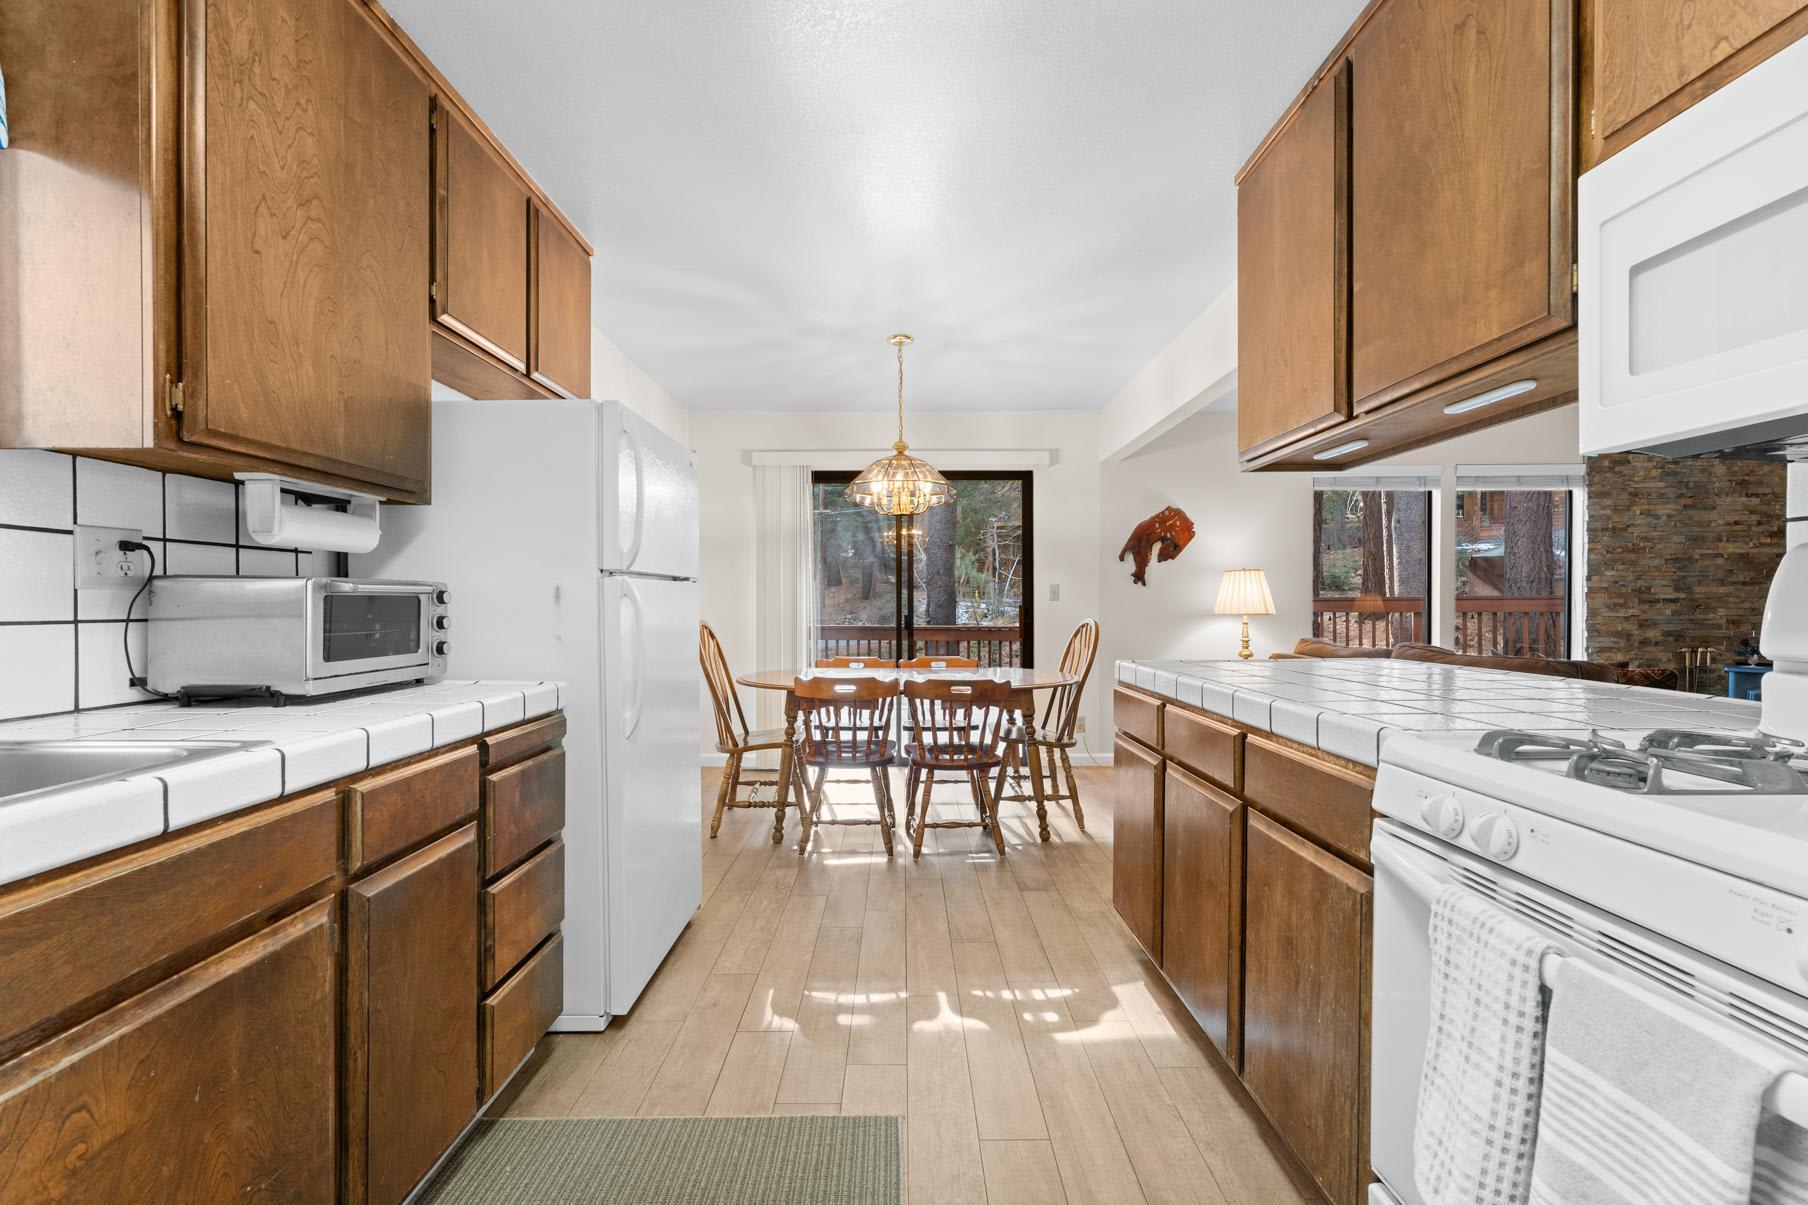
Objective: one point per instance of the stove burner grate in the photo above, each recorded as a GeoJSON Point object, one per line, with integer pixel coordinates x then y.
{"type": "Point", "coordinates": [1665, 762]}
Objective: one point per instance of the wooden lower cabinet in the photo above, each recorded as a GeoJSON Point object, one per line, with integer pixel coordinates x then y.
{"type": "Point", "coordinates": [411, 1022]}
{"type": "Point", "coordinates": [1136, 833]}
{"type": "Point", "coordinates": [1202, 904]}
{"type": "Point", "coordinates": [1306, 940]}
{"type": "Point", "coordinates": [216, 1085]}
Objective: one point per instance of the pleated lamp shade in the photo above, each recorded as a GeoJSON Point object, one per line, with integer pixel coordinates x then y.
{"type": "Point", "coordinates": [1244, 592]}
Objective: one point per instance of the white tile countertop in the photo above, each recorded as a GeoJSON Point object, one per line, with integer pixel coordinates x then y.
{"type": "Point", "coordinates": [303, 744]}
{"type": "Point", "coordinates": [1349, 706]}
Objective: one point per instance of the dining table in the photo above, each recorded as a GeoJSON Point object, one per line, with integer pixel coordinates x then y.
{"type": "Point", "coordinates": [1023, 680]}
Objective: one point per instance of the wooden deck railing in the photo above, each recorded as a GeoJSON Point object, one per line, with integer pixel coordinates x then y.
{"type": "Point", "coordinates": [1494, 627]}
{"type": "Point", "coordinates": [990, 646]}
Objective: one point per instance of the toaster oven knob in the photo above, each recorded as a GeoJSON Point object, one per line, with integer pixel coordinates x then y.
{"type": "Point", "coordinates": [440, 647]}
{"type": "Point", "coordinates": [1443, 815]}
{"type": "Point", "coordinates": [441, 596]}
{"type": "Point", "coordinates": [441, 622]}
{"type": "Point", "coordinates": [1496, 835]}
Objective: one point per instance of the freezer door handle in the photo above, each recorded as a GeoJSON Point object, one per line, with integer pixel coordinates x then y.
{"type": "Point", "coordinates": [632, 552]}
{"type": "Point", "coordinates": [637, 652]}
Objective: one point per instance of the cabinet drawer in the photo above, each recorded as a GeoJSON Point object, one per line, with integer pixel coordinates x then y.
{"type": "Point", "coordinates": [1212, 750]}
{"type": "Point", "coordinates": [520, 909]}
{"type": "Point", "coordinates": [386, 813]}
{"type": "Point", "coordinates": [520, 1011]}
{"type": "Point", "coordinates": [1138, 715]}
{"type": "Point", "coordinates": [523, 808]}
{"type": "Point", "coordinates": [1323, 800]}
{"type": "Point", "coordinates": [71, 938]}
{"type": "Point", "coordinates": [511, 744]}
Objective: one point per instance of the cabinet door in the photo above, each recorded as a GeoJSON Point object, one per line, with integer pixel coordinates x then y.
{"type": "Point", "coordinates": [411, 1016]}
{"type": "Point", "coordinates": [559, 333]}
{"type": "Point", "coordinates": [216, 1085]}
{"type": "Point", "coordinates": [480, 242]}
{"type": "Point", "coordinates": [1462, 190]}
{"type": "Point", "coordinates": [1654, 58]}
{"type": "Point", "coordinates": [1306, 926]}
{"type": "Point", "coordinates": [1202, 903]}
{"type": "Point", "coordinates": [304, 336]}
{"type": "Point", "coordinates": [1136, 843]}
{"type": "Point", "coordinates": [1293, 275]}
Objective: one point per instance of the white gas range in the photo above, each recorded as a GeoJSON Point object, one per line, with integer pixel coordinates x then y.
{"type": "Point", "coordinates": [1676, 858]}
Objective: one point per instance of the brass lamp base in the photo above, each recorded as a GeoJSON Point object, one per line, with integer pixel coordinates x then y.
{"type": "Point", "coordinates": [1244, 652]}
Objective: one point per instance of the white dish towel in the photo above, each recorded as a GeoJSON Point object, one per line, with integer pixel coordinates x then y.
{"type": "Point", "coordinates": [1646, 1101]}
{"type": "Point", "coordinates": [1478, 1094]}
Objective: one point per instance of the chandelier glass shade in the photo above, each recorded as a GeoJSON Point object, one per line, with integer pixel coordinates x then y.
{"type": "Point", "coordinates": [900, 484]}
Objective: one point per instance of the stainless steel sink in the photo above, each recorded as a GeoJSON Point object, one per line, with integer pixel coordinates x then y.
{"type": "Point", "coordinates": [32, 767]}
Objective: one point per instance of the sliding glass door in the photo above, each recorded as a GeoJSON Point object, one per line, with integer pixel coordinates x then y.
{"type": "Point", "coordinates": [953, 582]}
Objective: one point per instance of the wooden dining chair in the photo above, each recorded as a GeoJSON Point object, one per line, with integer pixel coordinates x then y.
{"type": "Point", "coordinates": [733, 737]}
{"type": "Point", "coordinates": [845, 723]}
{"type": "Point", "coordinates": [855, 663]}
{"type": "Point", "coordinates": [1040, 743]}
{"type": "Point", "coordinates": [954, 729]}
{"type": "Point", "coordinates": [939, 663]}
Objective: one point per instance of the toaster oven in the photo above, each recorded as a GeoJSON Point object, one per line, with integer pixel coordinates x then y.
{"type": "Point", "coordinates": [214, 637]}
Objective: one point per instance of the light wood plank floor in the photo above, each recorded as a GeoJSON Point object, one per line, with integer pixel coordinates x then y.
{"type": "Point", "coordinates": [999, 1007]}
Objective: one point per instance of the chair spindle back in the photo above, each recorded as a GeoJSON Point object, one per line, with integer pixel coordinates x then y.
{"type": "Point", "coordinates": [844, 719]}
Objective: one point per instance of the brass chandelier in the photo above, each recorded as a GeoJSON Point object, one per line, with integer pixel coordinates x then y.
{"type": "Point", "coordinates": [900, 484]}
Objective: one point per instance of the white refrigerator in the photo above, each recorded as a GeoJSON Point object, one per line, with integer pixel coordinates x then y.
{"type": "Point", "coordinates": [566, 532]}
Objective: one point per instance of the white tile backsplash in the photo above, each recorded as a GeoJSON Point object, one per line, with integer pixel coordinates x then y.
{"type": "Point", "coordinates": [59, 646]}
{"type": "Point", "coordinates": [37, 489]}
{"type": "Point", "coordinates": [118, 495]}
{"type": "Point", "coordinates": [37, 577]}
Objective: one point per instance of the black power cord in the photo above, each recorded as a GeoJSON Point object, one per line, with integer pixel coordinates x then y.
{"type": "Point", "coordinates": [125, 639]}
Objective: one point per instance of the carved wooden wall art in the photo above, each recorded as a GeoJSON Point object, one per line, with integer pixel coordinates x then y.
{"type": "Point", "coordinates": [1165, 533]}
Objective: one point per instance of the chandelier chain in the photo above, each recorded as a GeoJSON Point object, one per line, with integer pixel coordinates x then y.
{"type": "Point", "coordinates": [900, 393]}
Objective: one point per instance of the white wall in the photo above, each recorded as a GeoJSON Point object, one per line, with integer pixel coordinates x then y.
{"type": "Point", "coordinates": [614, 376]}
{"type": "Point", "coordinates": [1065, 500]}
{"type": "Point", "coordinates": [1196, 371]}
{"type": "Point", "coordinates": [1253, 520]}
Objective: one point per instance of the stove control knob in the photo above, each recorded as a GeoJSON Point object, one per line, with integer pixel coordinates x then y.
{"type": "Point", "coordinates": [1443, 815]}
{"type": "Point", "coordinates": [1496, 835]}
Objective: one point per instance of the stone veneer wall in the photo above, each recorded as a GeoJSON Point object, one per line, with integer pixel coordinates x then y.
{"type": "Point", "coordinates": [1680, 554]}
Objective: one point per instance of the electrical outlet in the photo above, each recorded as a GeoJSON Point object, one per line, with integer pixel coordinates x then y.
{"type": "Point", "coordinates": [1080, 724]}
{"type": "Point", "coordinates": [100, 564]}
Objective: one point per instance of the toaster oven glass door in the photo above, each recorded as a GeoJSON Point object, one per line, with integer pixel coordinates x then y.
{"type": "Point", "coordinates": [368, 627]}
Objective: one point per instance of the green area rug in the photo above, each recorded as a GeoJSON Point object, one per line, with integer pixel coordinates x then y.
{"type": "Point", "coordinates": [675, 1161]}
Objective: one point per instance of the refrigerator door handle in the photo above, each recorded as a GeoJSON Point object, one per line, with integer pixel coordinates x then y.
{"type": "Point", "coordinates": [638, 662]}
{"type": "Point", "coordinates": [640, 491]}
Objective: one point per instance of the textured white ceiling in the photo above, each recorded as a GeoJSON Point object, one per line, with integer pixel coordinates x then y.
{"type": "Point", "coordinates": [1038, 190]}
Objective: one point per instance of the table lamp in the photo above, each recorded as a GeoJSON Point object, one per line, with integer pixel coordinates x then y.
{"type": "Point", "coordinates": [1244, 592]}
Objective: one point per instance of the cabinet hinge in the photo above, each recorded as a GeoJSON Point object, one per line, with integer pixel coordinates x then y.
{"type": "Point", "coordinates": [433, 290]}
{"type": "Point", "coordinates": [172, 394]}
{"type": "Point", "coordinates": [1575, 278]}
{"type": "Point", "coordinates": [1591, 123]}
{"type": "Point", "coordinates": [433, 118]}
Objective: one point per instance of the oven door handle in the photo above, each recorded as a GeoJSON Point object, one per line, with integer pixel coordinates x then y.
{"type": "Point", "coordinates": [1392, 855]}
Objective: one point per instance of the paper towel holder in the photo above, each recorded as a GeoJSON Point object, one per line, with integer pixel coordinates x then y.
{"type": "Point", "coordinates": [272, 520]}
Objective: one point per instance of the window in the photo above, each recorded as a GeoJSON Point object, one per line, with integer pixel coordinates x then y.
{"type": "Point", "coordinates": [1513, 571]}
{"type": "Point", "coordinates": [1371, 565]}
{"type": "Point", "coordinates": [966, 567]}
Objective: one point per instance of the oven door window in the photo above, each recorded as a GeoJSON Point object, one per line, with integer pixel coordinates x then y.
{"type": "Point", "coordinates": [363, 627]}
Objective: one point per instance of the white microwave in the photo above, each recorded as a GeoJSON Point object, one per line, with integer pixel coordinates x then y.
{"type": "Point", "coordinates": [1693, 250]}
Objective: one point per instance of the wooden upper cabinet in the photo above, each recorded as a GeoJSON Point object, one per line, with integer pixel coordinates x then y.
{"type": "Point", "coordinates": [215, 1086]}
{"type": "Point", "coordinates": [1462, 190]}
{"type": "Point", "coordinates": [559, 329]}
{"type": "Point", "coordinates": [411, 1016]}
{"type": "Point", "coordinates": [1293, 274]}
{"type": "Point", "coordinates": [1307, 923]}
{"type": "Point", "coordinates": [1654, 58]}
{"type": "Point", "coordinates": [224, 206]}
{"type": "Point", "coordinates": [1136, 863]}
{"type": "Point", "coordinates": [480, 242]}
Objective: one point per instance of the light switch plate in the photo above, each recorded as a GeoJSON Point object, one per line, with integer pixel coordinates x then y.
{"type": "Point", "coordinates": [1054, 592]}
{"type": "Point", "coordinates": [101, 565]}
